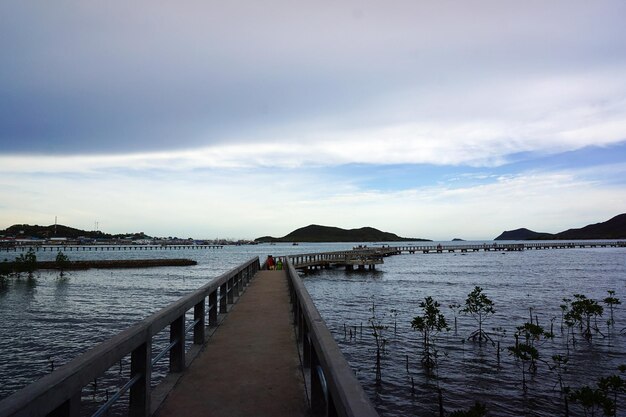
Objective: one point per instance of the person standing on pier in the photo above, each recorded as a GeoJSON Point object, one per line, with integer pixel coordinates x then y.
{"type": "Point", "coordinates": [270, 262]}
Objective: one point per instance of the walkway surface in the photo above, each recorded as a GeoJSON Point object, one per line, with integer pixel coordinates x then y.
{"type": "Point", "coordinates": [250, 366]}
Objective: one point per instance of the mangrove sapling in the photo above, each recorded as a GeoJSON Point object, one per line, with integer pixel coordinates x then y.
{"type": "Point", "coordinates": [478, 306]}
{"type": "Point", "coordinates": [559, 367]}
{"type": "Point", "coordinates": [26, 263]}
{"type": "Point", "coordinates": [500, 334]}
{"type": "Point", "coordinates": [456, 308]}
{"type": "Point", "coordinates": [378, 331]}
{"type": "Point", "coordinates": [582, 310]}
{"type": "Point", "coordinates": [62, 263]}
{"type": "Point", "coordinates": [612, 386]}
{"type": "Point", "coordinates": [394, 314]}
{"type": "Point", "coordinates": [611, 301]}
{"type": "Point", "coordinates": [430, 324]}
{"type": "Point", "coordinates": [592, 401]}
{"type": "Point", "coordinates": [525, 350]}
{"type": "Point", "coordinates": [564, 310]}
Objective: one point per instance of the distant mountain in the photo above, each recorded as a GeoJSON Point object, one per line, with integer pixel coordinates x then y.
{"type": "Point", "coordinates": [522, 234]}
{"type": "Point", "coordinates": [316, 233]}
{"type": "Point", "coordinates": [59, 230]}
{"type": "Point", "coordinates": [614, 228]}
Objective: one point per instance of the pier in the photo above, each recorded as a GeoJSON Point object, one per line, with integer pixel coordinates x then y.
{"type": "Point", "coordinates": [258, 347]}
{"type": "Point", "coordinates": [363, 257]}
{"type": "Point", "coordinates": [95, 248]}
{"type": "Point", "coordinates": [507, 247]}
{"type": "Point", "coordinates": [359, 257]}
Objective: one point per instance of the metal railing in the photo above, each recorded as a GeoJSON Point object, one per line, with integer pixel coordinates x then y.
{"type": "Point", "coordinates": [335, 391]}
{"type": "Point", "coordinates": [59, 393]}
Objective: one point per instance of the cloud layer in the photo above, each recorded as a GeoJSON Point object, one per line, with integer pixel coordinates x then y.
{"type": "Point", "coordinates": [410, 116]}
{"type": "Point", "coordinates": [415, 80]}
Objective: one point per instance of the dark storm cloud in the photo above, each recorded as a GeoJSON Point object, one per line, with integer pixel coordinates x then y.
{"type": "Point", "coordinates": [119, 77]}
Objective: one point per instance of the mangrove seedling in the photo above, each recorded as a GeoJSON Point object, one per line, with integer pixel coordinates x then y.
{"type": "Point", "coordinates": [611, 301]}
{"type": "Point", "coordinates": [62, 263]}
{"type": "Point", "coordinates": [500, 333]}
{"type": "Point", "coordinates": [526, 349]}
{"type": "Point", "coordinates": [559, 367]}
{"type": "Point", "coordinates": [593, 401]}
{"type": "Point", "coordinates": [378, 331]}
{"type": "Point", "coordinates": [478, 306]}
{"type": "Point", "coordinates": [582, 310]}
{"type": "Point", "coordinates": [429, 324]}
{"type": "Point", "coordinates": [564, 310]}
{"type": "Point", "coordinates": [394, 314]}
{"type": "Point", "coordinates": [456, 308]}
{"type": "Point", "coordinates": [26, 263]}
{"type": "Point", "coordinates": [613, 385]}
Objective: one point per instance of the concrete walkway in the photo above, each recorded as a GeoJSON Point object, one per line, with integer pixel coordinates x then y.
{"type": "Point", "coordinates": [250, 366]}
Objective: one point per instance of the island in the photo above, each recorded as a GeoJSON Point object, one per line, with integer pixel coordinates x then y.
{"type": "Point", "coordinates": [614, 228]}
{"type": "Point", "coordinates": [317, 233]}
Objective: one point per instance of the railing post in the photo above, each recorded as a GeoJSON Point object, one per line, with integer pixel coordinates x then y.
{"type": "Point", "coordinates": [177, 353]}
{"type": "Point", "coordinates": [300, 324]}
{"type": "Point", "coordinates": [223, 298]}
{"type": "Point", "coordinates": [240, 283]}
{"type": "Point", "coordinates": [230, 291]}
{"type": "Point", "coordinates": [213, 308]}
{"type": "Point", "coordinates": [199, 313]}
{"type": "Point", "coordinates": [140, 364]}
{"type": "Point", "coordinates": [318, 399]}
{"type": "Point", "coordinates": [306, 348]}
{"type": "Point", "coordinates": [70, 408]}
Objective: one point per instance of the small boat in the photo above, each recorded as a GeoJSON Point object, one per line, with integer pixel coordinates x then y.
{"type": "Point", "coordinates": [294, 244]}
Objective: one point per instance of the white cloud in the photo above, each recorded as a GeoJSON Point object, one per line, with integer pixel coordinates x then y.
{"type": "Point", "coordinates": [252, 203]}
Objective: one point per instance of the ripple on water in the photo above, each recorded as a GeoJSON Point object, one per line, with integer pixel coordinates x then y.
{"type": "Point", "coordinates": [516, 282]}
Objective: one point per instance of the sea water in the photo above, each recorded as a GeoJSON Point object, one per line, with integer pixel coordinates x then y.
{"type": "Point", "coordinates": [47, 321]}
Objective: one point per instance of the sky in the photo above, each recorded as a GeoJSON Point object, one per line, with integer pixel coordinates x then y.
{"type": "Point", "coordinates": [429, 119]}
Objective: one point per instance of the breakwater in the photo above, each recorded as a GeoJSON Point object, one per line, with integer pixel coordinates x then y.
{"type": "Point", "coordinates": [105, 264]}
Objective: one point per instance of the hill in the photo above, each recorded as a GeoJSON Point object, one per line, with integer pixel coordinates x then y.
{"type": "Point", "coordinates": [316, 233]}
{"type": "Point", "coordinates": [521, 234]}
{"type": "Point", "coordinates": [59, 230]}
{"type": "Point", "coordinates": [614, 228]}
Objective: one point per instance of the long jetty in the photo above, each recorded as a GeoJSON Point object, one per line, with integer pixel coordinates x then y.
{"type": "Point", "coordinates": [363, 257]}
{"type": "Point", "coordinates": [258, 346]}
{"type": "Point", "coordinates": [96, 247]}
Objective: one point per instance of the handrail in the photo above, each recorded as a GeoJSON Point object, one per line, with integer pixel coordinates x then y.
{"type": "Point", "coordinates": [58, 393]}
{"type": "Point", "coordinates": [336, 391]}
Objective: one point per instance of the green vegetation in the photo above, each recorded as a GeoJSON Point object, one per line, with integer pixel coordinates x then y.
{"type": "Point", "coordinates": [430, 324]}
{"type": "Point", "coordinates": [526, 349]}
{"type": "Point", "coordinates": [530, 351]}
{"type": "Point", "coordinates": [581, 311]}
{"type": "Point", "coordinates": [478, 306]}
{"type": "Point", "coordinates": [26, 263]}
{"type": "Point", "coordinates": [611, 301]}
{"type": "Point", "coordinates": [63, 262]}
